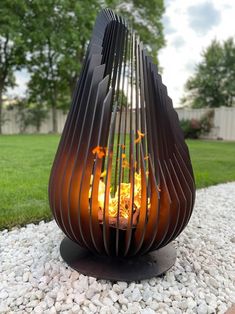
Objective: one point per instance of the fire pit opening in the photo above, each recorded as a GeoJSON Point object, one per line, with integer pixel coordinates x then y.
{"type": "Point", "coordinates": [121, 186]}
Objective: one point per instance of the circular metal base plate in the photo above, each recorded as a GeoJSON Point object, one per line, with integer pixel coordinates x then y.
{"type": "Point", "coordinates": [116, 268]}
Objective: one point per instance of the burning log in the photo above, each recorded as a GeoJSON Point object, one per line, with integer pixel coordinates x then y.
{"type": "Point", "coordinates": [120, 205]}
{"type": "Point", "coordinates": [122, 222]}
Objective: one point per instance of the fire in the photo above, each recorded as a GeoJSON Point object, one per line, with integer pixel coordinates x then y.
{"type": "Point", "coordinates": [100, 151]}
{"type": "Point", "coordinates": [140, 135]}
{"type": "Point", "coordinates": [125, 188]}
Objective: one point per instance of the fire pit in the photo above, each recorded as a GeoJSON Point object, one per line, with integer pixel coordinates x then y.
{"type": "Point", "coordinates": [121, 186]}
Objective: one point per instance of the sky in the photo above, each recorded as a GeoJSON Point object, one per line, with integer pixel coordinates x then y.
{"type": "Point", "coordinates": [189, 27]}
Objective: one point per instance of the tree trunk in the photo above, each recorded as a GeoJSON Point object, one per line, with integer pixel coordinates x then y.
{"type": "Point", "coordinates": [72, 86]}
{"type": "Point", "coordinates": [38, 126]}
{"type": "Point", "coordinates": [1, 117]}
{"type": "Point", "coordinates": [80, 57]}
{"type": "Point", "coordinates": [54, 119]}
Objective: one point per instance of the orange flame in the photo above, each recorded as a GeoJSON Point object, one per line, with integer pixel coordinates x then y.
{"type": "Point", "coordinates": [123, 206]}
{"type": "Point", "coordinates": [100, 151]}
{"type": "Point", "coordinates": [140, 135]}
{"type": "Point", "coordinates": [125, 193]}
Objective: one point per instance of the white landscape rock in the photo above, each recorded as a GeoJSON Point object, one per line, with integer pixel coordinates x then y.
{"type": "Point", "coordinates": [35, 279]}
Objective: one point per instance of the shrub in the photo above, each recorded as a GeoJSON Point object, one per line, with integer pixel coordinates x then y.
{"type": "Point", "coordinates": [193, 128]}
{"type": "Point", "coordinates": [206, 122]}
{"type": "Point", "coordinates": [190, 128]}
{"type": "Point", "coordinates": [30, 114]}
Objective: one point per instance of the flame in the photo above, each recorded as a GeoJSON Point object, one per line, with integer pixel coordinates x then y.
{"type": "Point", "coordinates": [103, 174]}
{"type": "Point", "coordinates": [125, 188]}
{"type": "Point", "coordinates": [125, 192]}
{"type": "Point", "coordinates": [125, 164]}
{"type": "Point", "coordinates": [100, 151]}
{"type": "Point", "coordinates": [140, 135]}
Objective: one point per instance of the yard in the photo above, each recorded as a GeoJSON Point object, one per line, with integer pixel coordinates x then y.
{"type": "Point", "coordinates": [25, 162]}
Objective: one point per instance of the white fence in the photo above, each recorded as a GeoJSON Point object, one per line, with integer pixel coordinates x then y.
{"type": "Point", "coordinates": [12, 124]}
{"type": "Point", "coordinates": [224, 122]}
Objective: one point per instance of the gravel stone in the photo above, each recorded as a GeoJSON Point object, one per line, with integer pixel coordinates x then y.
{"type": "Point", "coordinates": [75, 308]}
{"type": "Point", "coordinates": [90, 293]}
{"type": "Point", "coordinates": [136, 295]}
{"type": "Point", "coordinates": [60, 296]}
{"type": "Point", "coordinates": [3, 295]}
{"type": "Point", "coordinates": [38, 309]}
{"type": "Point", "coordinates": [80, 298]}
{"type": "Point", "coordinates": [26, 276]}
{"type": "Point", "coordinates": [108, 301]}
{"type": "Point", "coordinates": [122, 285]}
{"type": "Point", "coordinates": [49, 301]}
{"type": "Point", "coordinates": [58, 306]}
{"type": "Point", "coordinates": [113, 295]}
{"type": "Point", "coordinates": [213, 282]}
{"type": "Point", "coordinates": [122, 299]}
{"type": "Point", "coordinates": [39, 294]}
{"type": "Point", "coordinates": [34, 278]}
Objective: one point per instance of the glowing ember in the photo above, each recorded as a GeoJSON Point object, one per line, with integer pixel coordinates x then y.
{"type": "Point", "coordinates": [120, 203]}
{"type": "Point", "coordinates": [125, 193]}
{"type": "Point", "coordinates": [125, 190]}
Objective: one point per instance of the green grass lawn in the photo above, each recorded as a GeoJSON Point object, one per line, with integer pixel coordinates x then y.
{"type": "Point", "coordinates": [25, 162]}
{"type": "Point", "coordinates": [213, 162]}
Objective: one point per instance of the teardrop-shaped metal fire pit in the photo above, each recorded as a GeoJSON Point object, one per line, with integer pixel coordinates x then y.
{"type": "Point", "coordinates": [122, 184]}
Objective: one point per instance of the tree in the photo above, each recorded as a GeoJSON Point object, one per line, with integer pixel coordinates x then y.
{"type": "Point", "coordinates": [21, 116]}
{"type": "Point", "coordinates": [36, 114]}
{"type": "Point", "coordinates": [145, 17]}
{"type": "Point", "coordinates": [12, 50]}
{"type": "Point", "coordinates": [30, 114]}
{"type": "Point", "coordinates": [57, 33]}
{"type": "Point", "coordinates": [213, 84]}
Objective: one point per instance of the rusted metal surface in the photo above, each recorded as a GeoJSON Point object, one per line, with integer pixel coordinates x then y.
{"type": "Point", "coordinates": [119, 82]}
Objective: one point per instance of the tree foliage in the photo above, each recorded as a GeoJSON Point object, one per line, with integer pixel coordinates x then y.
{"type": "Point", "coordinates": [56, 34]}
{"type": "Point", "coordinates": [213, 84]}
{"type": "Point", "coordinates": [12, 49]}
{"type": "Point", "coordinates": [56, 52]}
{"type": "Point", "coordinates": [145, 17]}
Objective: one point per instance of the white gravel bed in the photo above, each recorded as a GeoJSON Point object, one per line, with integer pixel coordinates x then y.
{"type": "Point", "coordinates": [33, 277]}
